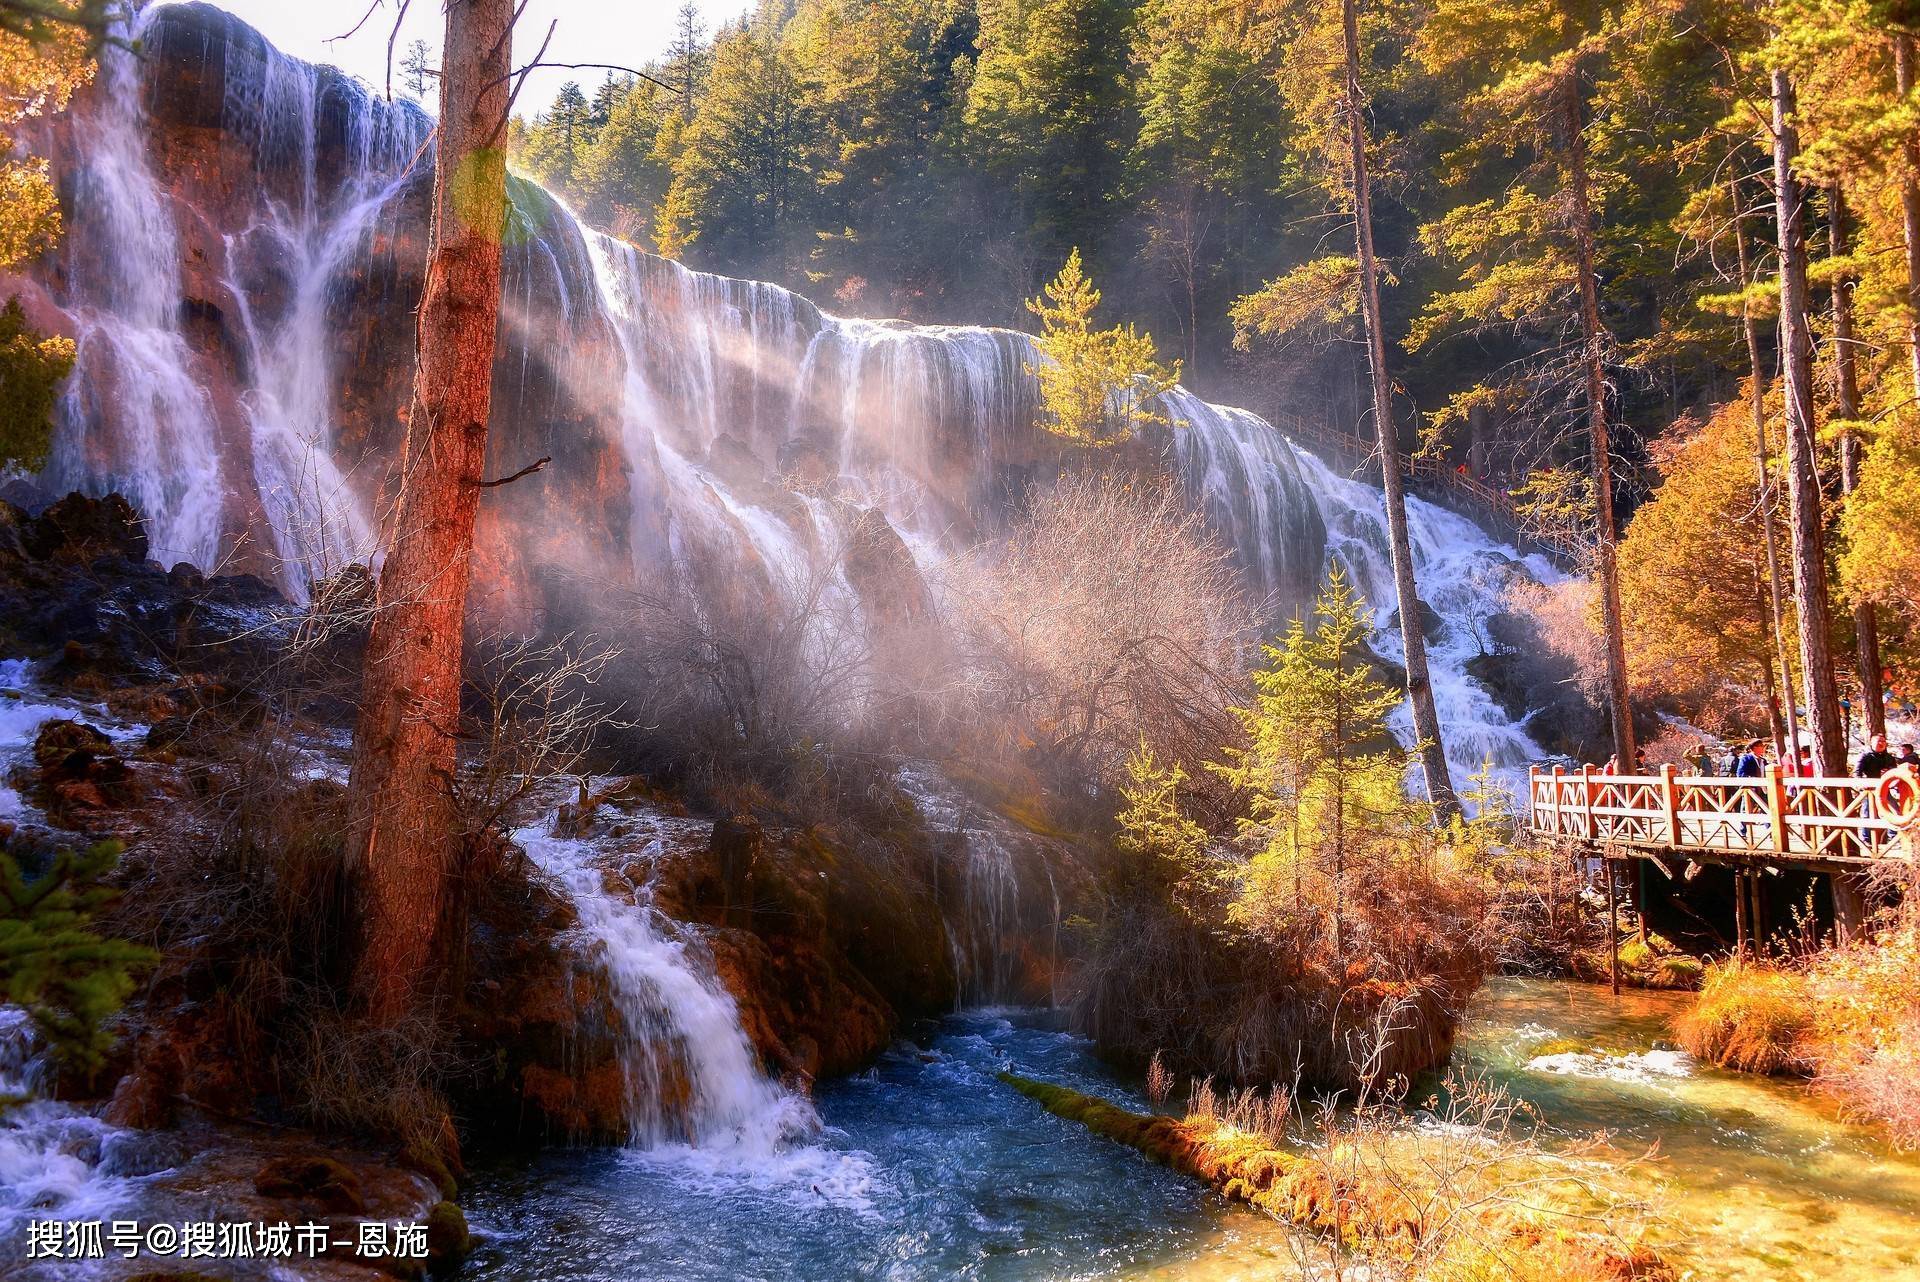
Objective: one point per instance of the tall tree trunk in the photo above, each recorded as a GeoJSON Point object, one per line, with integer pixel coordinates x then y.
{"type": "Point", "coordinates": [1846, 407]}
{"type": "Point", "coordinates": [1426, 719]}
{"type": "Point", "coordinates": [1806, 534]}
{"type": "Point", "coordinates": [1606, 535]}
{"type": "Point", "coordinates": [1904, 72]}
{"type": "Point", "coordinates": [1757, 399]}
{"type": "Point", "coordinates": [401, 823]}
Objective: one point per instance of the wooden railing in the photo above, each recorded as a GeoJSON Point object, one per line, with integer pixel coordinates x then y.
{"type": "Point", "coordinates": [1813, 823]}
{"type": "Point", "coordinates": [1489, 498]}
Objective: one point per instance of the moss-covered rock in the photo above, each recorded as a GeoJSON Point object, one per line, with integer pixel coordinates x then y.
{"type": "Point", "coordinates": [448, 1241]}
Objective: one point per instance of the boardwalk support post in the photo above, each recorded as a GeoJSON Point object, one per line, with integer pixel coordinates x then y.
{"type": "Point", "coordinates": [1670, 802]}
{"type": "Point", "coordinates": [1740, 913]}
{"type": "Point", "coordinates": [1613, 929]}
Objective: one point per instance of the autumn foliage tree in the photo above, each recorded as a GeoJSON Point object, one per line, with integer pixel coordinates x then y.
{"type": "Point", "coordinates": [45, 54]}
{"type": "Point", "coordinates": [1098, 387]}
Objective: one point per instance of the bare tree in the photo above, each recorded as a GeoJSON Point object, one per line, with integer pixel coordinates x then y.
{"type": "Point", "coordinates": [402, 822]}
{"type": "Point", "coordinates": [1426, 719]}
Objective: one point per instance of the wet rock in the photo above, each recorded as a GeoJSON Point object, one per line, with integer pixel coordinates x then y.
{"type": "Point", "coordinates": [448, 1241]}
{"type": "Point", "coordinates": [321, 1180]}
{"type": "Point", "coordinates": [735, 845]}
{"type": "Point", "coordinates": [882, 570]}
{"type": "Point", "coordinates": [66, 747]}
{"type": "Point", "coordinates": [79, 528]}
{"type": "Point", "coordinates": [144, 1100]}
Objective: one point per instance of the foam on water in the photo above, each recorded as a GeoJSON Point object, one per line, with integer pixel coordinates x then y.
{"type": "Point", "coordinates": [680, 1020]}
{"type": "Point", "coordinates": [1638, 1067]}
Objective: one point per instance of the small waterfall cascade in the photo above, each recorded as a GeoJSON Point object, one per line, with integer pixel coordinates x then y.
{"type": "Point", "coordinates": [54, 1157]}
{"type": "Point", "coordinates": [1464, 574]}
{"type": "Point", "coordinates": [693, 1079]}
{"type": "Point", "coordinates": [988, 909]}
{"type": "Point", "coordinates": [50, 1152]}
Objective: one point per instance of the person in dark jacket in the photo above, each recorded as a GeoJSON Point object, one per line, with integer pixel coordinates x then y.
{"type": "Point", "coordinates": [1908, 757]}
{"type": "Point", "coordinates": [1752, 763]}
{"type": "Point", "coordinates": [1876, 760]}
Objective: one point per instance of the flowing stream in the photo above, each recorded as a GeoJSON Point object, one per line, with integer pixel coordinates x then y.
{"type": "Point", "coordinates": [958, 1176]}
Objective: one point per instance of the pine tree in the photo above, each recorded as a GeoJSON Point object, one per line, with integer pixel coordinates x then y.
{"type": "Point", "coordinates": [1097, 387]}
{"type": "Point", "coordinates": [1328, 100]}
{"type": "Point", "coordinates": [417, 70]}
{"type": "Point", "coordinates": [687, 56]}
{"type": "Point", "coordinates": [1532, 69]}
{"type": "Point", "coordinates": [1320, 769]}
{"type": "Point", "coordinates": [1169, 847]}
{"type": "Point", "coordinates": [1048, 114]}
{"type": "Point", "coordinates": [54, 963]}
{"type": "Point", "coordinates": [1806, 527]}
{"type": "Point", "coordinates": [745, 180]}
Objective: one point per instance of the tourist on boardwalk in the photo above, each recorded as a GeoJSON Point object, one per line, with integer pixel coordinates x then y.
{"type": "Point", "coordinates": [1876, 760]}
{"type": "Point", "coordinates": [1701, 759]}
{"type": "Point", "coordinates": [1752, 763]}
{"type": "Point", "coordinates": [1908, 757]}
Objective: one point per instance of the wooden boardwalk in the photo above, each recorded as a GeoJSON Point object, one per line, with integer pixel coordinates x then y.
{"type": "Point", "coordinates": [1829, 824]}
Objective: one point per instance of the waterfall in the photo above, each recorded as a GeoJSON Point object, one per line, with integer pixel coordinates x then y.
{"type": "Point", "coordinates": [240, 271]}
{"type": "Point", "coordinates": [305, 235]}
{"type": "Point", "coordinates": [135, 415]}
{"type": "Point", "coordinates": [692, 1077]}
{"type": "Point", "coordinates": [148, 410]}
{"type": "Point", "coordinates": [1463, 573]}
{"type": "Point", "coordinates": [984, 900]}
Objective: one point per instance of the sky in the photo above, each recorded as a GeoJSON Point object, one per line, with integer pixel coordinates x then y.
{"type": "Point", "coordinates": [628, 32]}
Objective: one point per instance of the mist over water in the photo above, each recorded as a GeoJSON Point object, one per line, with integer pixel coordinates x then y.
{"type": "Point", "coordinates": [753, 432]}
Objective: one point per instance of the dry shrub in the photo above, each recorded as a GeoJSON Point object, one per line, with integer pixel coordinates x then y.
{"type": "Point", "coordinates": [1749, 1016]}
{"type": "Point", "coordinates": [1110, 613]}
{"type": "Point", "coordinates": [1864, 1043]}
{"type": "Point", "coordinates": [1563, 614]}
{"type": "Point", "coordinates": [1281, 1006]}
{"type": "Point", "coordinates": [1849, 1016]}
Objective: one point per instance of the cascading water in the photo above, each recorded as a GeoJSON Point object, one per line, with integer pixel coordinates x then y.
{"type": "Point", "coordinates": [318, 522]}
{"type": "Point", "coordinates": [987, 910]}
{"type": "Point", "coordinates": [692, 1076]}
{"type": "Point", "coordinates": [135, 416]}
{"type": "Point", "coordinates": [140, 413]}
{"type": "Point", "coordinates": [1464, 575]}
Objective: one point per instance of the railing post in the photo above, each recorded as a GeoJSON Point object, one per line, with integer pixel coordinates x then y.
{"type": "Point", "coordinates": [1586, 797]}
{"type": "Point", "coordinates": [1559, 791]}
{"type": "Point", "coordinates": [1777, 807]}
{"type": "Point", "coordinates": [1670, 799]}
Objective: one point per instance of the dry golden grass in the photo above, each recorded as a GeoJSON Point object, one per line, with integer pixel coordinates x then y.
{"type": "Point", "coordinates": [1754, 1018]}
{"type": "Point", "coordinates": [1466, 1200]}
{"type": "Point", "coordinates": [1847, 1016]}
{"type": "Point", "coordinates": [1865, 1041]}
